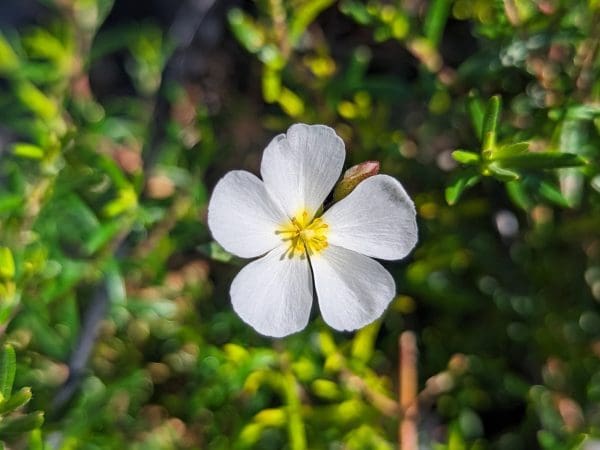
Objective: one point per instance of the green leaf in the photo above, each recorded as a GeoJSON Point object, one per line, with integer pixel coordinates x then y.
{"type": "Point", "coordinates": [459, 184]}
{"type": "Point", "coordinates": [25, 150]}
{"type": "Point", "coordinates": [218, 253]}
{"type": "Point", "coordinates": [466, 157]}
{"type": "Point", "coordinates": [510, 150]}
{"type": "Point", "coordinates": [363, 344]}
{"type": "Point", "coordinates": [9, 61]}
{"type": "Point", "coordinates": [291, 103]}
{"type": "Point", "coordinates": [245, 30]}
{"type": "Point", "coordinates": [326, 389]}
{"type": "Point", "coordinates": [583, 112]}
{"type": "Point", "coordinates": [36, 441]}
{"type": "Point", "coordinates": [304, 15]}
{"type": "Point", "coordinates": [518, 195]}
{"type": "Point", "coordinates": [7, 264]}
{"type": "Point", "coordinates": [271, 84]}
{"type": "Point", "coordinates": [435, 21]}
{"type": "Point", "coordinates": [476, 112]}
{"type": "Point", "coordinates": [503, 174]}
{"type": "Point", "coordinates": [10, 202]}
{"type": "Point", "coordinates": [16, 400]}
{"type": "Point", "coordinates": [271, 56]}
{"type": "Point", "coordinates": [490, 123]}
{"type": "Point", "coordinates": [553, 194]}
{"type": "Point", "coordinates": [357, 10]}
{"type": "Point", "coordinates": [541, 160]}
{"type": "Point", "coordinates": [102, 236]}
{"type": "Point", "coordinates": [8, 367]}
{"type": "Point", "coordinates": [36, 101]}
{"type": "Point", "coordinates": [21, 424]}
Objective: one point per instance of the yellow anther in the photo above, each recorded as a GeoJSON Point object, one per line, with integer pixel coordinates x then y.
{"type": "Point", "coordinates": [304, 236]}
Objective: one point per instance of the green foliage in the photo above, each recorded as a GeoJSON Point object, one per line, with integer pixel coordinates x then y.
{"type": "Point", "coordinates": [114, 131]}
{"type": "Point", "coordinates": [505, 162]}
{"type": "Point", "coordinates": [13, 422]}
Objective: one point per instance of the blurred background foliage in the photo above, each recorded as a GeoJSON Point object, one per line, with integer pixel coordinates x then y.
{"type": "Point", "coordinates": [117, 118]}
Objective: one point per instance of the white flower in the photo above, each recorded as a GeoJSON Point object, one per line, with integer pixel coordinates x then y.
{"type": "Point", "coordinates": [275, 217]}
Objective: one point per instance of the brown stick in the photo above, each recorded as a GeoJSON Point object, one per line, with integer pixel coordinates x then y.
{"type": "Point", "coordinates": [408, 438]}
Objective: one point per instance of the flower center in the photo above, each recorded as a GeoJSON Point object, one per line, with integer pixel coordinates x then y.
{"type": "Point", "coordinates": [303, 235]}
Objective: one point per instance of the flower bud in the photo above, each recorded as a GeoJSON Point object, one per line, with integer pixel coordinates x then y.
{"type": "Point", "coordinates": [353, 176]}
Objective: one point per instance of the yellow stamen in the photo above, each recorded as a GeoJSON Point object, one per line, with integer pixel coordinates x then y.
{"type": "Point", "coordinates": [304, 235]}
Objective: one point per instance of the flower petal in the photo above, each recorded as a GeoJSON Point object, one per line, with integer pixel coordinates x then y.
{"type": "Point", "coordinates": [274, 293]}
{"type": "Point", "coordinates": [353, 290]}
{"type": "Point", "coordinates": [300, 169]}
{"type": "Point", "coordinates": [242, 216]}
{"type": "Point", "coordinates": [377, 219]}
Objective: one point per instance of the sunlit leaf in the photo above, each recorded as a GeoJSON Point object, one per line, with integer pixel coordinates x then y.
{"type": "Point", "coordinates": [459, 184]}
{"type": "Point", "coordinates": [466, 157]}
{"type": "Point", "coordinates": [304, 15]}
{"type": "Point", "coordinates": [490, 123]}
{"type": "Point", "coordinates": [8, 367]}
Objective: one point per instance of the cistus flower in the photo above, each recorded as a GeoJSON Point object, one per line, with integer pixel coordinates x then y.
{"type": "Point", "coordinates": [278, 219]}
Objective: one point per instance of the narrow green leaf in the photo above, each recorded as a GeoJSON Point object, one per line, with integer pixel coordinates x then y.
{"type": "Point", "coordinates": [218, 253]}
{"type": "Point", "coordinates": [10, 202]}
{"type": "Point", "coordinates": [271, 56]}
{"type": "Point", "coordinates": [459, 184]}
{"type": "Point", "coordinates": [492, 112]}
{"type": "Point", "coordinates": [245, 30]}
{"type": "Point", "coordinates": [8, 367]}
{"type": "Point", "coordinates": [36, 441]}
{"type": "Point", "coordinates": [9, 61]}
{"type": "Point", "coordinates": [21, 424]}
{"type": "Point", "coordinates": [490, 123]}
{"type": "Point", "coordinates": [435, 21]}
{"type": "Point", "coordinates": [40, 43]}
{"type": "Point", "coordinates": [363, 343]}
{"type": "Point", "coordinates": [291, 103]}
{"type": "Point", "coordinates": [250, 434]}
{"type": "Point", "coordinates": [553, 194]}
{"type": "Point", "coordinates": [16, 400]}
{"type": "Point", "coordinates": [357, 10]}
{"type": "Point", "coordinates": [102, 236]}
{"type": "Point", "coordinates": [7, 264]}
{"type": "Point", "coordinates": [466, 157]}
{"type": "Point", "coordinates": [271, 84]}
{"type": "Point", "coordinates": [304, 15]}
{"type": "Point", "coordinates": [326, 389]}
{"type": "Point", "coordinates": [502, 173]}
{"type": "Point", "coordinates": [25, 150]}
{"type": "Point", "coordinates": [518, 195]}
{"type": "Point", "coordinates": [510, 150]}
{"type": "Point", "coordinates": [36, 101]}
{"type": "Point", "coordinates": [541, 160]}
{"type": "Point", "coordinates": [476, 110]}
{"type": "Point", "coordinates": [583, 112]}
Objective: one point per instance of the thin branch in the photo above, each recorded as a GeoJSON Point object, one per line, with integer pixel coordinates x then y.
{"type": "Point", "coordinates": [408, 438]}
